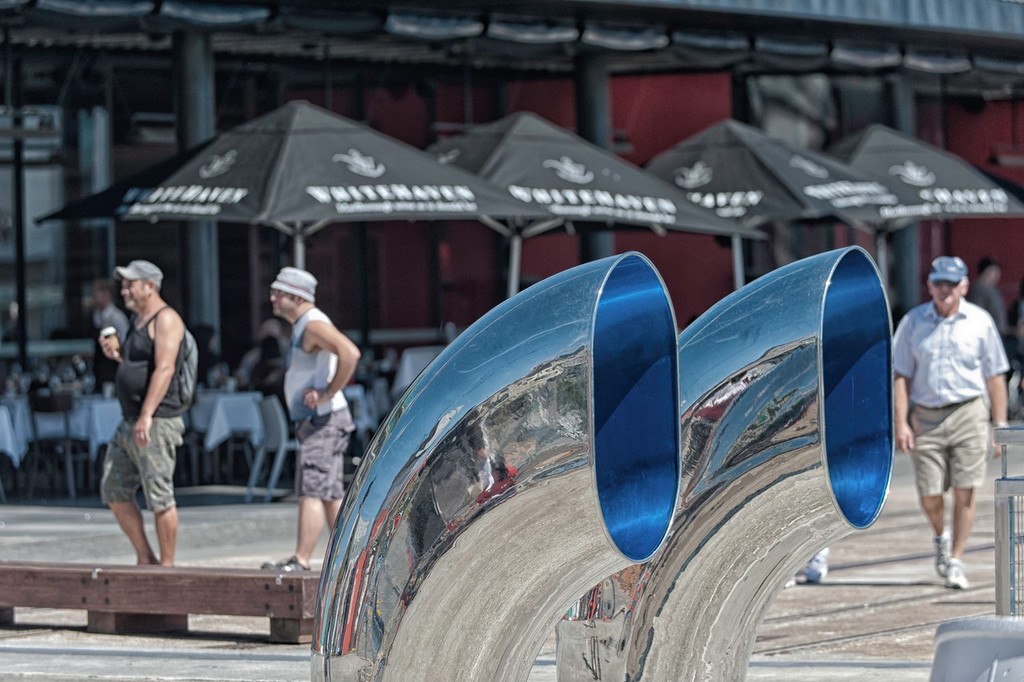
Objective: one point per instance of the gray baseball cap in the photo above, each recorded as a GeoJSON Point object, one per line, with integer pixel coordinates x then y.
{"type": "Point", "coordinates": [140, 269]}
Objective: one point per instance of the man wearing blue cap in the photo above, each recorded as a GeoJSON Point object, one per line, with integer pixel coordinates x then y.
{"type": "Point", "coordinates": [948, 360]}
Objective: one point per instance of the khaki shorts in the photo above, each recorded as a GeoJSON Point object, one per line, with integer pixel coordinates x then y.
{"type": "Point", "coordinates": [128, 467]}
{"type": "Point", "coordinates": [320, 462]}
{"type": "Point", "coordinates": [950, 446]}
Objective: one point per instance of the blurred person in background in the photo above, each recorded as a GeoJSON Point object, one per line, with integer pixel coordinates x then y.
{"type": "Point", "coordinates": [272, 328]}
{"type": "Point", "coordinates": [105, 314]}
{"type": "Point", "coordinates": [984, 292]}
{"type": "Point", "coordinates": [268, 372]}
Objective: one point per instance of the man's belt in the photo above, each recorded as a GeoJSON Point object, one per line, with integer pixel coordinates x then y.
{"type": "Point", "coordinates": [950, 406]}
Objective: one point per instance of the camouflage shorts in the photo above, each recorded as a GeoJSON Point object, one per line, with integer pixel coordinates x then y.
{"type": "Point", "coordinates": [129, 467]}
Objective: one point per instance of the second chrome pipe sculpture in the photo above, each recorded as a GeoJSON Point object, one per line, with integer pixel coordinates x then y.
{"type": "Point", "coordinates": [786, 412]}
{"type": "Point", "coordinates": [537, 454]}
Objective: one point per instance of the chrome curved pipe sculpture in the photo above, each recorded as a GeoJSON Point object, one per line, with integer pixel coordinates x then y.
{"type": "Point", "coordinates": [786, 411]}
{"type": "Point", "coordinates": [537, 454]}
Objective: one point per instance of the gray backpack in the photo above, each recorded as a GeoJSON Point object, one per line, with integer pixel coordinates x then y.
{"type": "Point", "coordinates": [188, 369]}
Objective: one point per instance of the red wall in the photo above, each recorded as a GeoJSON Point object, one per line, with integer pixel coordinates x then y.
{"type": "Point", "coordinates": [552, 99]}
{"type": "Point", "coordinates": [468, 262]}
{"type": "Point", "coordinates": [972, 133]}
{"type": "Point", "coordinates": [661, 111]}
{"type": "Point", "coordinates": [331, 255]}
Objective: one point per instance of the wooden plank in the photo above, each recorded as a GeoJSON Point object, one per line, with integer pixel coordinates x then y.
{"type": "Point", "coordinates": [159, 590]}
{"type": "Point", "coordinates": [58, 586]}
{"type": "Point", "coordinates": [171, 591]}
{"type": "Point", "coordinates": [138, 599]}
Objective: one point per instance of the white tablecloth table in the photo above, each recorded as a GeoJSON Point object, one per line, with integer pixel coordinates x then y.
{"type": "Point", "coordinates": [21, 422]}
{"type": "Point", "coordinates": [218, 415]}
{"type": "Point", "coordinates": [10, 445]}
{"type": "Point", "coordinates": [92, 419]}
{"type": "Point", "coordinates": [103, 415]}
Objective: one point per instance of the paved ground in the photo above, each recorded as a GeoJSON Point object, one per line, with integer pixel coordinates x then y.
{"type": "Point", "coordinates": [873, 619]}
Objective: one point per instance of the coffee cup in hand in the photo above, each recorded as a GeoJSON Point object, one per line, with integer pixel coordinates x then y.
{"type": "Point", "coordinates": [110, 335]}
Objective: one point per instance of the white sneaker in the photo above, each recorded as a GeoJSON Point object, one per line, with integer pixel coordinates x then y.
{"type": "Point", "coordinates": [815, 570]}
{"type": "Point", "coordinates": [955, 577]}
{"type": "Point", "coordinates": [942, 556]}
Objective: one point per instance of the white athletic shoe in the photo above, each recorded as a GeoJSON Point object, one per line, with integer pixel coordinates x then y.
{"type": "Point", "coordinates": [955, 577]}
{"type": "Point", "coordinates": [815, 570]}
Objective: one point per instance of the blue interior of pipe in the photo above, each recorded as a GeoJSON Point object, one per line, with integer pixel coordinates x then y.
{"type": "Point", "coordinates": [857, 382]}
{"type": "Point", "coordinates": [636, 449]}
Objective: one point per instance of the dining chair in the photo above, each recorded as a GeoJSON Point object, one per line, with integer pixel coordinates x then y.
{"type": "Point", "coordinates": [50, 447]}
{"type": "Point", "coordinates": [276, 439]}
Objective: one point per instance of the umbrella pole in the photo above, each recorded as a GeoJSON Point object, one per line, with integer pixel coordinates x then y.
{"type": "Point", "coordinates": [299, 250]}
{"type": "Point", "coordinates": [882, 257]}
{"type": "Point", "coordinates": [515, 256]}
{"type": "Point", "coordinates": [738, 279]}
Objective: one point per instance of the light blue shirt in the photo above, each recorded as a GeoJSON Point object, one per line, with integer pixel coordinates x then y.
{"type": "Point", "coordinates": [947, 359]}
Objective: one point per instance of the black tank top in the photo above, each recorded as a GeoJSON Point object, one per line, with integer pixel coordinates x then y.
{"type": "Point", "coordinates": [137, 363]}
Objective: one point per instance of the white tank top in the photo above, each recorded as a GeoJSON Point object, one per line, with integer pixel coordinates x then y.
{"type": "Point", "coordinates": [310, 370]}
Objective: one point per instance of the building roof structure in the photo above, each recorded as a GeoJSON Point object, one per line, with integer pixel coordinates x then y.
{"type": "Point", "coordinates": [974, 44]}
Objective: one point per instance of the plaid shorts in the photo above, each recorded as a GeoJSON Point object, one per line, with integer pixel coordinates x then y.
{"type": "Point", "coordinates": [320, 466]}
{"type": "Point", "coordinates": [128, 467]}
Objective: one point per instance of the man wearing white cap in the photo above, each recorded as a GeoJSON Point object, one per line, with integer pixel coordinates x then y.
{"type": "Point", "coordinates": [143, 451]}
{"type": "Point", "coordinates": [322, 360]}
{"type": "Point", "coordinates": [948, 360]}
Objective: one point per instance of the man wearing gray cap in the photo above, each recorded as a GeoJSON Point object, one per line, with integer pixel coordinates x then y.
{"type": "Point", "coordinates": [322, 360]}
{"type": "Point", "coordinates": [142, 452]}
{"type": "Point", "coordinates": [948, 361]}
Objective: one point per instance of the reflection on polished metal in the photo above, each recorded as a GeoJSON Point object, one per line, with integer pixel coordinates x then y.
{"type": "Point", "coordinates": [786, 410]}
{"type": "Point", "coordinates": [536, 454]}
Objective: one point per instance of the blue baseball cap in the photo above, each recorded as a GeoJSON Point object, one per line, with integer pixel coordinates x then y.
{"type": "Point", "coordinates": [948, 269]}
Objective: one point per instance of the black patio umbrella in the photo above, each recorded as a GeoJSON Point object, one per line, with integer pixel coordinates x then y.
{"type": "Point", "coordinates": [573, 180]}
{"type": "Point", "coordinates": [742, 173]}
{"type": "Point", "coordinates": [942, 185]}
{"type": "Point", "coordinates": [298, 169]}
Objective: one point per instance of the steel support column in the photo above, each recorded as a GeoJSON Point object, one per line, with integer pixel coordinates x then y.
{"type": "Point", "coordinates": [594, 123]}
{"type": "Point", "coordinates": [195, 106]}
{"type": "Point", "coordinates": [905, 276]}
{"type": "Point", "coordinates": [12, 98]}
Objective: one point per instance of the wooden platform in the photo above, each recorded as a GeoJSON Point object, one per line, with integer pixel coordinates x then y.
{"type": "Point", "coordinates": [134, 599]}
